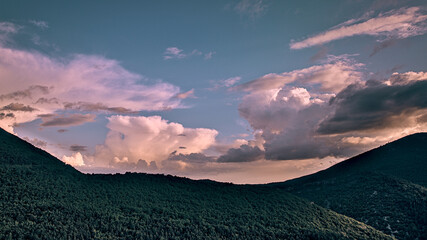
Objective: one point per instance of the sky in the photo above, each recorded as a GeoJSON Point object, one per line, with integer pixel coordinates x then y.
{"type": "Point", "coordinates": [244, 91]}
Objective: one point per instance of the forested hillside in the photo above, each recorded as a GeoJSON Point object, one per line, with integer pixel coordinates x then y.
{"type": "Point", "coordinates": [384, 188]}
{"type": "Point", "coordinates": [42, 198]}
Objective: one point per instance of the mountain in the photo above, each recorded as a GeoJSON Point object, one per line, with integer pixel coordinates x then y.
{"type": "Point", "coordinates": [384, 188]}
{"type": "Point", "coordinates": [42, 198]}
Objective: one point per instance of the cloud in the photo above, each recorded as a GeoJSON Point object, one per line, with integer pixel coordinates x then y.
{"type": "Point", "coordinates": [185, 95]}
{"type": "Point", "coordinates": [396, 24]}
{"type": "Point", "coordinates": [6, 115]}
{"type": "Point", "coordinates": [75, 160]}
{"type": "Point", "coordinates": [173, 52]}
{"type": "Point", "coordinates": [404, 78]}
{"type": "Point", "coordinates": [8, 27]}
{"type": "Point", "coordinates": [362, 108]}
{"type": "Point", "coordinates": [381, 46]}
{"type": "Point", "coordinates": [225, 83]}
{"type": "Point", "coordinates": [36, 142]}
{"type": "Point", "coordinates": [62, 130]}
{"type": "Point", "coordinates": [322, 53]}
{"type": "Point", "coordinates": [250, 8]}
{"type": "Point", "coordinates": [95, 107]}
{"type": "Point", "coordinates": [6, 30]}
{"type": "Point", "coordinates": [41, 24]}
{"type": "Point", "coordinates": [244, 153]}
{"type": "Point", "coordinates": [78, 148]}
{"type": "Point", "coordinates": [358, 140]}
{"type": "Point", "coordinates": [332, 77]}
{"type": "Point", "coordinates": [330, 110]}
{"type": "Point", "coordinates": [30, 78]}
{"type": "Point", "coordinates": [66, 120]}
{"type": "Point", "coordinates": [18, 107]}
{"type": "Point", "coordinates": [150, 138]}
{"type": "Point", "coordinates": [176, 53]}
{"type": "Point", "coordinates": [209, 55]}
{"type": "Point", "coordinates": [191, 158]}
{"type": "Point", "coordinates": [27, 93]}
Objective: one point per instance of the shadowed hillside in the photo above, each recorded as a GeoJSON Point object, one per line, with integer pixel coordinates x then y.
{"type": "Point", "coordinates": [384, 187]}
{"type": "Point", "coordinates": [42, 198]}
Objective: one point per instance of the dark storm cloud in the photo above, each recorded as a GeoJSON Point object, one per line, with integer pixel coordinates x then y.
{"type": "Point", "coordinates": [191, 158]}
{"type": "Point", "coordinates": [47, 101]}
{"type": "Point", "coordinates": [95, 107]}
{"type": "Point", "coordinates": [66, 120]}
{"type": "Point", "coordinates": [18, 107]}
{"type": "Point", "coordinates": [27, 93]}
{"type": "Point", "coordinates": [47, 115]}
{"type": "Point", "coordinates": [377, 107]}
{"type": "Point", "coordinates": [78, 148]}
{"type": "Point", "coordinates": [6, 115]}
{"type": "Point", "coordinates": [244, 153]}
{"type": "Point", "coordinates": [297, 144]}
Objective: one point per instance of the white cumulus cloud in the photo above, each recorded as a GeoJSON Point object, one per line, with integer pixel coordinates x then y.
{"type": "Point", "coordinates": [134, 138]}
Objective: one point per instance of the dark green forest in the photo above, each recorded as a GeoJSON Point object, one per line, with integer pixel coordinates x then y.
{"type": "Point", "coordinates": [384, 188]}
{"type": "Point", "coordinates": [42, 198]}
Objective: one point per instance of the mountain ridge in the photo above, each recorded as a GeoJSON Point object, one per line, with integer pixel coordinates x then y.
{"type": "Point", "coordinates": [384, 187]}
{"type": "Point", "coordinates": [37, 194]}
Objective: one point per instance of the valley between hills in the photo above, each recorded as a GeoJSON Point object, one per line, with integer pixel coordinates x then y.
{"type": "Point", "coordinates": [380, 194]}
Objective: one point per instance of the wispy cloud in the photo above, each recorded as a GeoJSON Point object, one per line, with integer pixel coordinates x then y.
{"type": "Point", "coordinates": [176, 53]}
{"type": "Point", "coordinates": [7, 29]}
{"type": "Point", "coordinates": [185, 95]}
{"type": "Point", "coordinates": [225, 83]}
{"type": "Point", "coordinates": [381, 46]}
{"type": "Point", "coordinates": [251, 8]}
{"type": "Point", "coordinates": [53, 120]}
{"type": "Point", "coordinates": [209, 55]}
{"type": "Point", "coordinates": [41, 24]}
{"type": "Point", "coordinates": [397, 24]}
{"type": "Point", "coordinates": [95, 107]}
{"type": "Point", "coordinates": [173, 52]}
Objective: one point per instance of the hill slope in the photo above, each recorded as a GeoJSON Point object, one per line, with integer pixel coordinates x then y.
{"type": "Point", "coordinates": [41, 198]}
{"type": "Point", "coordinates": [384, 187]}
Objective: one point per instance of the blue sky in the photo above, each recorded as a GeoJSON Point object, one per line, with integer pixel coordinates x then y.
{"type": "Point", "coordinates": [246, 85]}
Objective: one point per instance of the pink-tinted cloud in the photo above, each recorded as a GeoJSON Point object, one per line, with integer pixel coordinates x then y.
{"type": "Point", "coordinates": [185, 95]}
{"type": "Point", "coordinates": [300, 121]}
{"type": "Point", "coordinates": [149, 138]}
{"type": "Point", "coordinates": [75, 160]}
{"type": "Point", "coordinates": [30, 78]}
{"type": "Point", "coordinates": [332, 77]}
{"type": "Point", "coordinates": [173, 52]}
{"type": "Point", "coordinates": [397, 24]}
